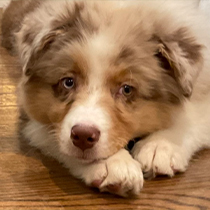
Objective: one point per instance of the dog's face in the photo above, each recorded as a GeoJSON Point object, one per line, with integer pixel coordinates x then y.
{"type": "Point", "coordinates": [100, 79]}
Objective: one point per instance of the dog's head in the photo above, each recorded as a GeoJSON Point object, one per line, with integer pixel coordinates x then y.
{"type": "Point", "coordinates": [101, 78]}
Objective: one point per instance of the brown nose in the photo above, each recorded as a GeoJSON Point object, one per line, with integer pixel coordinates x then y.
{"type": "Point", "coordinates": [84, 136]}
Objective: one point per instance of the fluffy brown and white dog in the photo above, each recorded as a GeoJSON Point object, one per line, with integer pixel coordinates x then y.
{"type": "Point", "coordinates": [97, 74]}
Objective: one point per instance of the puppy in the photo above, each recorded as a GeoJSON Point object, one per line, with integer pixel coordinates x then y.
{"type": "Point", "coordinates": [98, 74]}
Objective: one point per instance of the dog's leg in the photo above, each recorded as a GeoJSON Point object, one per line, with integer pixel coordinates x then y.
{"type": "Point", "coordinates": [169, 151]}
{"type": "Point", "coordinates": [119, 174]}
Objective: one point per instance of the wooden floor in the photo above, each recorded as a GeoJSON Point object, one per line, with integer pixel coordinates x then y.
{"type": "Point", "coordinates": [29, 180]}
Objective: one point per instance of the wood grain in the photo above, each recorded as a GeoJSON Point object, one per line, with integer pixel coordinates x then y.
{"type": "Point", "coordinates": [29, 180]}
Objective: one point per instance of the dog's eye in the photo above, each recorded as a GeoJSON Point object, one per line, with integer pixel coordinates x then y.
{"type": "Point", "coordinates": [126, 90]}
{"type": "Point", "coordinates": [68, 82]}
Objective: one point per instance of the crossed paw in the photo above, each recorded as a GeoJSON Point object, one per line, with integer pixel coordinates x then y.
{"type": "Point", "coordinates": [120, 174]}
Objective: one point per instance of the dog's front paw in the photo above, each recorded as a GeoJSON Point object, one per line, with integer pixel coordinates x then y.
{"type": "Point", "coordinates": [159, 157]}
{"type": "Point", "coordinates": [120, 174]}
{"type": "Point", "coordinates": [95, 174]}
{"type": "Point", "coordinates": [124, 175]}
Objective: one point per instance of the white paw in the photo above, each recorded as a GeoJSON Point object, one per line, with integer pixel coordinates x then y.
{"type": "Point", "coordinates": [124, 175]}
{"type": "Point", "coordinates": [95, 174]}
{"type": "Point", "coordinates": [159, 157]}
{"type": "Point", "coordinates": [120, 174]}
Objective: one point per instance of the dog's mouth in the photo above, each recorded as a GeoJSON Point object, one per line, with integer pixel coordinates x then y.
{"type": "Point", "coordinates": [90, 157]}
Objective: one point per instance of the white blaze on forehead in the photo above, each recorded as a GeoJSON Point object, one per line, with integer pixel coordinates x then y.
{"type": "Point", "coordinates": [99, 45]}
{"type": "Point", "coordinates": [98, 52]}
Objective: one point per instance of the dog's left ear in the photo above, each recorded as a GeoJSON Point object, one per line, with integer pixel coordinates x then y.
{"type": "Point", "coordinates": [181, 56]}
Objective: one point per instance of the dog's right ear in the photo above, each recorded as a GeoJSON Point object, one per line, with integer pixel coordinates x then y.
{"type": "Point", "coordinates": [38, 51]}
{"type": "Point", "coordinates": [34, 41]}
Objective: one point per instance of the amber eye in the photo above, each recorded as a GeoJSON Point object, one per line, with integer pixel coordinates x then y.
{"type": "Point", "coordinates": [126, 90]}
{"type": "Point", "coordinates": [68, 82]}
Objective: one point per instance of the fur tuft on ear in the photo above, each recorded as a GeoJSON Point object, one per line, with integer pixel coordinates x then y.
{"type": "Point", "coordinates": [41, 49]}
{"type": "Point", "coordinates": [181, 56]}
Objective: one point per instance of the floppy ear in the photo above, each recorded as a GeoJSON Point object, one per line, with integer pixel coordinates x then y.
{"type": "Point", "coordinates": [42, 48]}
{"type": "Point", "coordinates": [181, 56]}
{"type": "Point", "coordinates": [34, 42]}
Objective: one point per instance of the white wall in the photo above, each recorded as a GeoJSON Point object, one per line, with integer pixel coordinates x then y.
{"type": "Point", "coordinates": [3, 2]}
